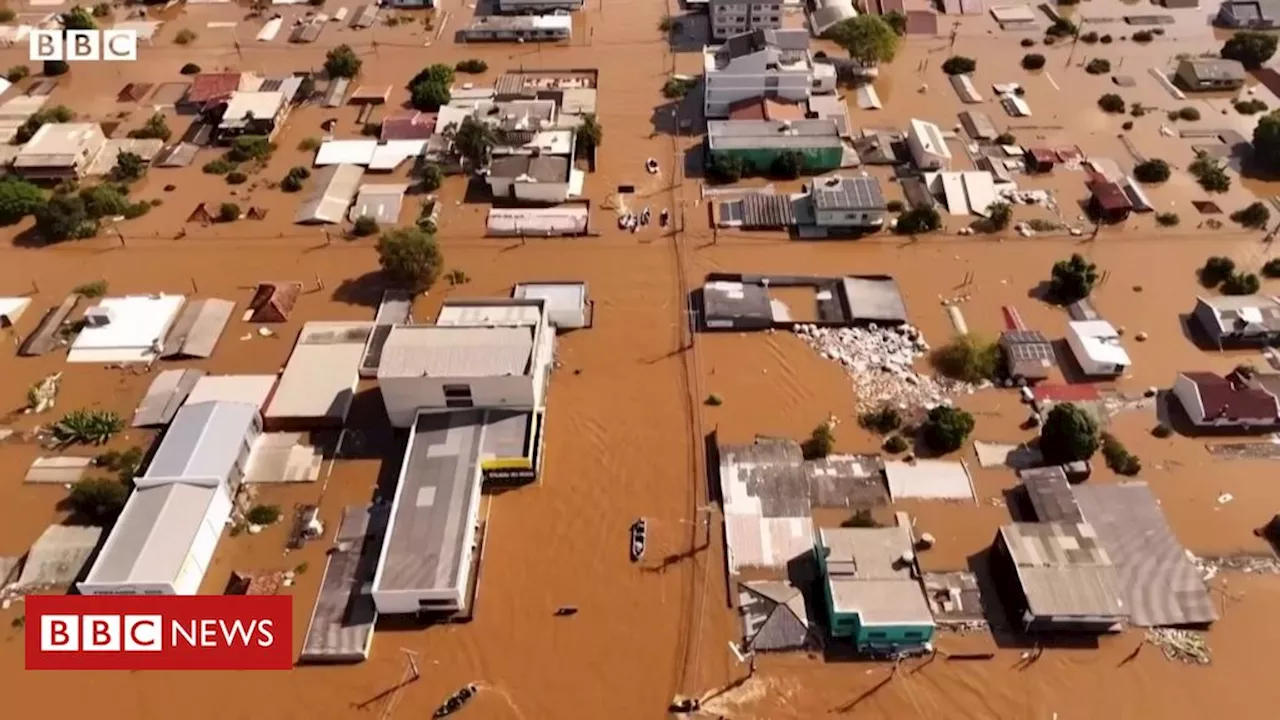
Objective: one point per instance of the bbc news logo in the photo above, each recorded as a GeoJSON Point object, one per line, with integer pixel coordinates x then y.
{"type": "Point", "coordinates": [79, 45]}
{"type": "Point", "coordinates": [175, 632]}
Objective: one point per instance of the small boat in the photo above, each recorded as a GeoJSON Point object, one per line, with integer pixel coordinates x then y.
{"type": "Point", "coordinates": [638, 533]}
{"type": "Point", "coordinates": [651, 165]}
{"type": "Point", "coordinates": [454, 702]}
{"type": "Point", "coordinates": [566, 610]}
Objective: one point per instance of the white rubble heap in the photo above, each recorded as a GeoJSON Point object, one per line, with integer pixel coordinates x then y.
{"type": "Point", "coordinates": [880, 363]}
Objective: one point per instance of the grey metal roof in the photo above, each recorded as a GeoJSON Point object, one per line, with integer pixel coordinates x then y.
{"type": "Point", "coordinates": [1213, 69]}
{"type": "Point", "coordinates": [320, 378]}
{"type": "Point", "coordinates": [1063, 570]}
{"type": "Point", "coordinates": [874, 299]}
{"type": "Point", "coordinates": [847, 193]}
{"type": "Point", "coordinates": [58, 556]}
{"type": "Point", "coordinates": [448, 351]}
{"type": "Point", "coordinates": [767, 210]}
{"type": "Point", "coordinates": [196, 332]}
{"type": "Point", "coordinates": [774, 616]}
{"type": "Point", "coordinates": [341, 627]}
{"type": "Point", "coordinates": [545, 168]}
{"type": "Point", "coordinates": [978, 125]}
{"type": "Point", "coordinates": [780, 134]}
{"type": "Point", "coordinates": [333, 189]}
{"type": "Point", "coordinates": [380, 201]}
{"type": "Point", "coordinates": [737, 302]}
{"type": "Point", "coordinates": [1027, 353]}
{"type": "Point", "coordinates": [202, 442]}
{"type": "Point", "coordinates": [440, 475]}
{"type": "Point", "coordinates": [1236, 312]}
{"type": "Point", "coordinates": [1161, 585]}
{"type": "Point", "coordinates": [154, 534]}
{"type": "Point", "coordinates": [164, 396]}
{"type": "Point", "coordinates": [1050, 495]}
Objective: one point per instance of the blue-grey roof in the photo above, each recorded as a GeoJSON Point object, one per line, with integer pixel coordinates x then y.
{"type": "Point", "coordinates": [203, 441]}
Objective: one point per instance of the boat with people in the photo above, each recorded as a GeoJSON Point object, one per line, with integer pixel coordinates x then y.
{"type": "Point", "coordinates": [638, 532]}
{"type": "Point", "coordinates": [454, 702]}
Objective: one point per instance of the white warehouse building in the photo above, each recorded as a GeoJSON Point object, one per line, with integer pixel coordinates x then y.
{"type": "Point", "coordinates": [166, 535]}
{"type": "Point", "coordinates": [479, 354]}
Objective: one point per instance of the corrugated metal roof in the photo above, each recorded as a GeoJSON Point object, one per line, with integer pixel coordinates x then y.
{"type": "Point", "coordinates": [165, 395]}
{"type": "Point", "coordinates": [1063, 570]}
{"type": "Point", "coordinates": [442, 351]}
{"type": "Point", "coordinates": [319, 380]}
{"type": "Point", "coordinates": [151, 540]}
{"type": "Point", "coordinates": [198, 328]}
{"type": "Point", "coordinates": [202, 444]}
{"type": "Point", "coordinates": [1161, 585]}
{"type": "Point", "coordinates": [334, 189]}
{"type": "Point", "coordinates": [58, 470]}
{"type": "Point", "coordinates": [380, 202]}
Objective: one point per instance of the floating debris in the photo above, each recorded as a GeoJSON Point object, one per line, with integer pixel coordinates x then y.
{"type": "Point", "coordinates": [1182, 645]}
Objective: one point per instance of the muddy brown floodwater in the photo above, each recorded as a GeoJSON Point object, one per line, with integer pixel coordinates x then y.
{"type": "Point", "coordinates": [626, 417]}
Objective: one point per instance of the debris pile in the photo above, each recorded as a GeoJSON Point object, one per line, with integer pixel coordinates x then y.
{"type": "Point", "coordinates": [1210, 567]}
{"type": "Point", "coordinates": [879, 360]}
{"type": "Point", "coordinates": [41, 396]}
{"type": "Point", "coordinates": [1183, 645]}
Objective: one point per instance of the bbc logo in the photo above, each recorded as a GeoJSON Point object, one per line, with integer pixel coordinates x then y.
{"type": "Point", "coordinates": [77, 45]}
{"type": "Point", "coordinates": [101, 633]}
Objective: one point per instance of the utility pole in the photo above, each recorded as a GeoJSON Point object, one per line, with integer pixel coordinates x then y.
{"type": "Point", "coordinates": [955, 31]}
{"type": "Point", "coordinates": [1075, 40]}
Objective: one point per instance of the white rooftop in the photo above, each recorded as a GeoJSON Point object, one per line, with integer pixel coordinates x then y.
{"type": "Point", "coordinates": [258, 105]}
{"type": "Point", "coordinates": [1100, 341]}
{"type": "Point", "coordinates": [136, 326]}
{"type": "Point", "coordinates": [930, 137]}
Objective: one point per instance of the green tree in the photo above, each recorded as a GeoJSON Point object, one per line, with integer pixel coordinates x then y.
{"type": "Point", "coordinates": [1215, 270]}
{"type": "Point", "coordinates": [1271, 269]}
{"type": "Point", "coordinates": [725, 168]}
{"type": "Point", "coordinates": [63, 217]}
{"type": "Point", "coordinates": [1072, 280]}
{"type": "Point", "coordinates": [999, 215]}
{"type": "Point", "coordinates": [474, 140]}
{"type": "Point", "coordinates": [1032, 61]}
{"type": "Point", "coordinates": [959, 65]}
{"type": "Point", "coordinates": [1152, 171]}
{"type": "Point", "coordinates": [1241, 284]}
{"type": "Point", "coordinates": [250, 147]}
{"type": "Point", "coordinates": [968, 358]}
{"type": "Point", "coordinates": [867, 38]}
{"type": "Point", "coordinates": [1112, 103]}
{"type": "Point", "coordinates": [787, 165]}
{"type": "Point", "coordinates": [1266, 143]}
{"type": "Point", "coordinates": [342, 62]}
{"type": "Point", "coordinates": [432, 177]}
{"type": "Point", "coordinates": [897, 21]}
{"type": "Point", "coordinates": [1211, 174]}
{"type": "Point", "coordinates": [129, 167]}
{"type": "Point", "coordinates": [99, 500]}
{"type": "Point", "coordinates": [55, 114]}
{"type": "Point", "coordinates": [105, 200]}
{"type": "Point", "coordinates": [589, 134]}
{"type": "Point", "coordinates": [54, 68]}
{"type": "Point", "coordinates": [155, 128]}
{"type": "Point", "coordinates": [77, 18]}
{"type": "Point", "coordinates": [429, 96]}
{"type": "Point", "coordinates": [1255, 216]}
{"type": "Point", "coordinates": [1249, 48]}
{"type": "Point", "coordinates": [1069, 434]}
{"type": "Point", "coordinates": [364, 226]}
{"type": "Point", "coordinates": [821, 442]}
{"type": "Point", "coordinates": [18, 199]}
{"type": "Point", "coordinates": [228, 212]}
{"type": "Point", "coordinates": [437, 73]}
{"type": "Point", "coordinates": [918, 220]}
{"type": "Point", "coordinates": [946, 427]}
{"type": "Point", "coordinates": [411, 258]}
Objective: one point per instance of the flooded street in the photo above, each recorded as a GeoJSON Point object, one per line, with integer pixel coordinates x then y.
{"type": "Point", "coordinates": [627, 414]}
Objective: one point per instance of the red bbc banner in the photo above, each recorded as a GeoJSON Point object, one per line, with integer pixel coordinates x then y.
{"type": "Point", "coordinates": [170, 632]}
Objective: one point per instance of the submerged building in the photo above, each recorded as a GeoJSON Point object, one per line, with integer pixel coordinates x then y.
{"type": "Point", "coordinates": [471, 389]}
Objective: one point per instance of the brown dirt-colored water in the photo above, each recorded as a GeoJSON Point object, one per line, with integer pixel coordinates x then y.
{"type": "Point", "coordinates": [623, 434]}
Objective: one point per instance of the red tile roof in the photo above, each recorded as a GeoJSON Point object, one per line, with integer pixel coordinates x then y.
{"type": "Point", "coordinates": [1110, 196]}
{"type": "Point", "coordinates": [408, 126]}
{"type": "Point", "coordinates": [208, 87]}
{"type": "Point", "coordinates": [1222, 398]}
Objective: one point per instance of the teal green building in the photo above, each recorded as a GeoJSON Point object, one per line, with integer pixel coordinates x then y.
{"type": "Point", "coordinates": [872, 589]}
{"type": "Point", "coordinates": [758, 143]}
